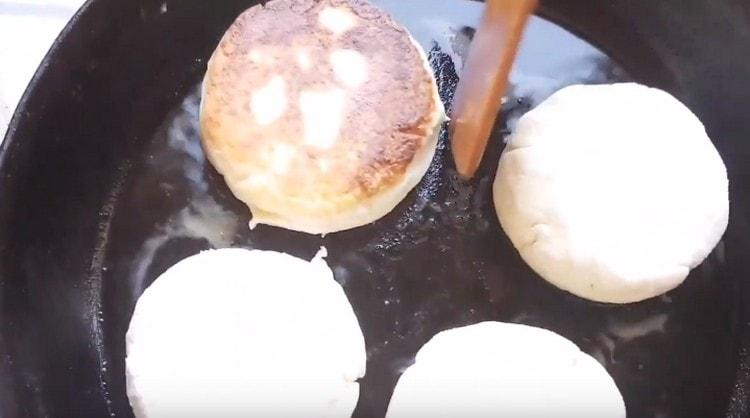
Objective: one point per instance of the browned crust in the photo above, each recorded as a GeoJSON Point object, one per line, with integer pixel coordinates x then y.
{"type": "Point", "coordinates": [387, 119]}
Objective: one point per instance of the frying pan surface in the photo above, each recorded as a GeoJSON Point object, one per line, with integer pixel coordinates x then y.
{"type": "Point", "coordinates": [103, 186]}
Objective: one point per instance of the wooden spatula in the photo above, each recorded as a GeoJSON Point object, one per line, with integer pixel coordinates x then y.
{"type": "Point", "coordinates": [484, 79]}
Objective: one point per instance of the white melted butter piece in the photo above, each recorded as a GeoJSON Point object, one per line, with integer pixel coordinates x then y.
{"type": "Point", "coordinates": [349, 66]}
{"type": "Point", "coordinates": [269, 102]}
{"type": "Point", "coordinates": [337, 20]}
{"type": "Point", "coordinates": [322, 116]}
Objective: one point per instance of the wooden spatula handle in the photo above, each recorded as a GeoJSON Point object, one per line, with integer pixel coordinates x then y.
{"type": "Point", "coordinates": [484, 79]}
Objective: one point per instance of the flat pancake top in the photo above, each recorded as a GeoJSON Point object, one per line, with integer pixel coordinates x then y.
{"type": "Point", "coordinates": [323, 100]}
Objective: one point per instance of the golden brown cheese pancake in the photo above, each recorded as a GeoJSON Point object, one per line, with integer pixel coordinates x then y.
{"type": "Point", "coordinates": [320, 114]}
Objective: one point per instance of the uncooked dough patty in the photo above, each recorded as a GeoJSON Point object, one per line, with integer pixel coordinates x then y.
{"type": "Point", "coordinates": [495, 369]}
{"type": "Point", "coordinates": [612, 192]}
{"type": "Point", "coordinates": [238, 333]}
{"type": "Point", "coordinates": [320, 114]}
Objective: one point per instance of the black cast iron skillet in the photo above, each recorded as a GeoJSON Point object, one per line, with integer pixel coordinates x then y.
{"type": "Point", "coordinates": [103, 186]}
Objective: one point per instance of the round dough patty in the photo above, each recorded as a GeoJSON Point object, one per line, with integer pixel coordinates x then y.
{"type": "Point", "coordinates": [494, 369]}
{"type": "Point", "coordinates": [320, 114]}
{"type": "Point", "coordinates": [238, 333]}
{"type": "Point", "coordinates": [612, 192]}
